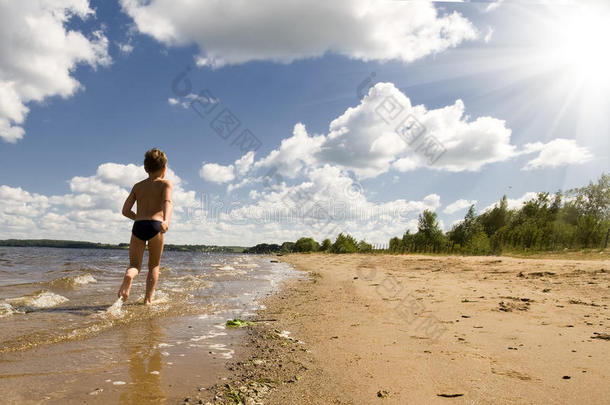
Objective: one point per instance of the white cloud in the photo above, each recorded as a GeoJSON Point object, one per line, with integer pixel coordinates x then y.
{"type": "Point", "coordinates": [125, 49]}
{"type": "Point", "coordinates": [364, 140]}
{"type": "Point", "coordinates": [327, 202]}
{"type": "Point", "coordinates": [19, 202]}
{"type": "Point", "coordinates": [219, 174]}
{"type": "Point", "coordinates": [294, 154]}
{"type": "Point", "coordinates": [515, 203]}
{"type": "Point", "coordinates": [38, 54]}
{"type": "Point", "coordinates": [216, 173]}
{"type": "Point", "coordinates": [458, 206]}
{"type": "Point", "coordinates": [489, 35]}
{"type": "Point", "coordinates": [187, 101]}
{"type": "Point", "coordinates": [243, 164]}
{"type": "Point", "coordinates": [493, 5]}
{"type": "Point", "coordinates": [288, 30]}
{"type": "Point", "coordinates": [558, 152]}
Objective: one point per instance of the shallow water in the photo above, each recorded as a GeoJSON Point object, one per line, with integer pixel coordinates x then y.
{"type": "Point", "coordinates": [64, 337]}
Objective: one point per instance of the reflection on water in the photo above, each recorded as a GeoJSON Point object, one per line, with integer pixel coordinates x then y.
{"type": "Point", "coordinates": [145, 364]}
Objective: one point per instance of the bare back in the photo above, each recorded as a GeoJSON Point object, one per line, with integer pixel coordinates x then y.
{"type": "Point", "coordinates": [149, 197]}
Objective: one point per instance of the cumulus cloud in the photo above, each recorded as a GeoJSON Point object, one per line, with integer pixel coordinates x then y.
{"type": "Point", "coordinates": [329, 201]}
{"type": "Point", "coordinates": [216, 173]}
{"type": "Point", "coordinates": [558, 152]}
{"type": "Point", "coordinates": [219, 174]}
{"type": "Point", "coordinates": [458, 206]}
{"type": "Point", "coordinates": [295, 153]}
{"type": "Point", "coordinates": [369, 139]}
{"type": "Point", "coordinates": [38, 53]}
{"type": "Point", "coordinates": [287, 30]}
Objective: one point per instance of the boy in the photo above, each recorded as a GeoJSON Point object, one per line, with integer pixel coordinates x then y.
{"type": "Point", "coordinates": [154, 198]}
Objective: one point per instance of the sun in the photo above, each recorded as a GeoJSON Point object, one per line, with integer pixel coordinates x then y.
{"type": "Point", "coordinates": [579, 43]}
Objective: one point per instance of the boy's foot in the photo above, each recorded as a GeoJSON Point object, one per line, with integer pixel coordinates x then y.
{"type": "Point", "coordinates": [125, 288]}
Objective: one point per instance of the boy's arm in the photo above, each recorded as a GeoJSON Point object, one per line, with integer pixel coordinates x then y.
{"type": "Point", "coordinates": [129, 202]}
{"type": "Point", "coordinates": [168, 207]}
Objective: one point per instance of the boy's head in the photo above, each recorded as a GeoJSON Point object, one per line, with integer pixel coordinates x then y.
{"type": "Point", "coordinates": [154, 160]}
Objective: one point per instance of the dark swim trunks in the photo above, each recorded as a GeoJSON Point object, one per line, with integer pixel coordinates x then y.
{"type": "Point", "coordinates": [146, 229]}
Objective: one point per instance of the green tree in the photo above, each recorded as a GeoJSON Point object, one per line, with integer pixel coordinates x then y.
{"type": "Point", "coordinates": [364, 247]}
{"type": "Point", "coordinates": [429, 235]}
{"type": "Point", "coordinates": [306, 245]}
{"type": "Point", "coordinates": [396, 245]}
{"type": "Point", "coordinates": [495, 218]}
{"type": "Point", "coordinates": [326, 245]}
{"type": "Point", "coordinates": [344, 244]}
{"type": "Point", "coordinates": [287, 247]}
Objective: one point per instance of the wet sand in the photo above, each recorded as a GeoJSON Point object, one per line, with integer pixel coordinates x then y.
{"type": "Point", "coordinates": [367, 329]}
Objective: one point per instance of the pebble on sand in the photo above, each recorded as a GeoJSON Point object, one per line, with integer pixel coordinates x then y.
{"type": "Point", "coordinates": [383, 394]}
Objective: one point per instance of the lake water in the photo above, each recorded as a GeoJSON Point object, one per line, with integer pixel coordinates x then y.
{"type": "Point", "coordinates": [63, 341]}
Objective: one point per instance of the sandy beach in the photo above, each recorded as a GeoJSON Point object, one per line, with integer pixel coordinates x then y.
{"type": "Point", "coordinates": [366, 329]}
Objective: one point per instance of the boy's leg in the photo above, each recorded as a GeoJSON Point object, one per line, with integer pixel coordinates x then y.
{"type": "Point", "coordinates": [155, 249]}
{"type": "Point", "coordinates": [136, 252]}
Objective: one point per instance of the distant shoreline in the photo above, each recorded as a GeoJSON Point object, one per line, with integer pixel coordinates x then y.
{"type": "Point", "coordinates": [72, 244]}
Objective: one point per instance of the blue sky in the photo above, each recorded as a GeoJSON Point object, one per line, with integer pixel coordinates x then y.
{"type": "Point", "coordinates": [517, 95]}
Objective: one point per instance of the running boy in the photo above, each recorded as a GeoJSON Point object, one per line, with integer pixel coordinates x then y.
{"type": "Point", "coordinates": [154, 198]}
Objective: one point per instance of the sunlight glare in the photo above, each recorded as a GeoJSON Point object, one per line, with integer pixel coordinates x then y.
{"type": "Point", "coordinates": [583, 44]}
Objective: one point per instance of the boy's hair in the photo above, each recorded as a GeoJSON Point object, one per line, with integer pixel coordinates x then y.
{"type": "Point", "coordinates": [154, 160]}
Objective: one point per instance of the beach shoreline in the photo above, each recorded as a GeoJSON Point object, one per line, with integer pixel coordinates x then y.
{"type": "Point", "coordinates": [363, 329]}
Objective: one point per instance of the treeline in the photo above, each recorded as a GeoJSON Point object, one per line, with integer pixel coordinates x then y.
{"type": "Point", "coordinates": [93, 245]}
{"type": "Point", "coordinates": [577, 219]}
{"type": "Point", "coordinates": [344, 243]}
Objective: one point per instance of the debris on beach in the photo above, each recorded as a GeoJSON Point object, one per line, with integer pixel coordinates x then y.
{"type": "Point", "coordinates": [238, 323]}
{"type": "Point", "coordinates": [286, 335]}
{"type": "Point", "coordinates": [603, 336]}
{"type": "Point", "coordinates": [580, 302]}
{"type": "Point", "coordinates": [383, 394]}
{"type": "Point", "coordinates": [510, 306]}
{"type": "Point", "coordinates": [449, 395]}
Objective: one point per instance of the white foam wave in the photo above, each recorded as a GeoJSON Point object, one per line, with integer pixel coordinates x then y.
{"type": "Point", "coordinates": [84, 279]}
{"type": "Point", "coordinates": [226, 267]}
{"type": "Point", "coordinates": [6, 309]}
{"type": "Point", "coordinates": [42, 299]}
{"type": "Point", "coordinates": [115, 310]}
{"type": "Point", "coordinates": [160, 297]}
